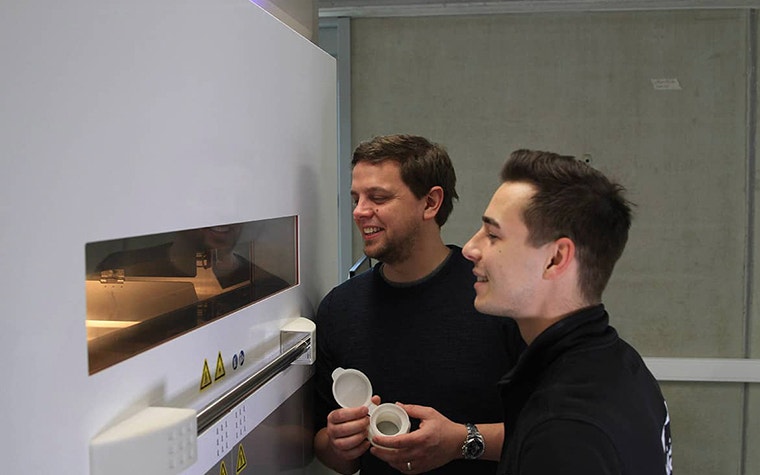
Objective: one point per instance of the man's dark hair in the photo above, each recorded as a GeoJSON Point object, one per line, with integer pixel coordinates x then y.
{"type": "Point", "coordinates": [423, 164]}
{"type": "Point", "coordinates": [574, 200]}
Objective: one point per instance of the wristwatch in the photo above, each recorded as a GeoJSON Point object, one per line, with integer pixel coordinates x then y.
{"type": "Point", "coordinates": [474, 445]}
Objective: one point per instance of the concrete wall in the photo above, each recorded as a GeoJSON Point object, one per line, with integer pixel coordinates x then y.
{"type": "Point", "coordinates": [581, 83]}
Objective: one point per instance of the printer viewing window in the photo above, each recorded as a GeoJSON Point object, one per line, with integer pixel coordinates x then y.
{"type": "Point", "coordinates": [142, 291]}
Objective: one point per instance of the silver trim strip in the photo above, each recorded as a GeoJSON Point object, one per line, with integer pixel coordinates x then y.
{"type": "Point", "coordinates": [725, 370]}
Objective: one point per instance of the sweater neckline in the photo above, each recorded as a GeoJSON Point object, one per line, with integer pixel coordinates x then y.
{"type": "Point", "coordinates": [421, 280]}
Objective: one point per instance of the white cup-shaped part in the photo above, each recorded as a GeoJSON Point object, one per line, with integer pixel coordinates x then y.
{"type": "Point", "coordinates": [388, 419]}
{"type": "Point", "coordinates": [351, 388]}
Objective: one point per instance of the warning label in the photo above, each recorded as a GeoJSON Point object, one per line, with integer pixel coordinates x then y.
{"type": "Point", "coordinates": [241, 462]}
{"type": "Point", "coordinates": [206, 376]}
{"type": "Point", "coordinates": [219, 367]}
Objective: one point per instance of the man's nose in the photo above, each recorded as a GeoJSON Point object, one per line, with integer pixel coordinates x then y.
{"type": "Point", "coordinates": [362, 208]}
{"type": "Point", "coordinates": [470, 250]}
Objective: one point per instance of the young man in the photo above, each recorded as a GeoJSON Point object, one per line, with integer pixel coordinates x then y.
{"type": "Point", "coordinates": [409, 324]}
{"type": "Point", "coordinates": [580, 400]}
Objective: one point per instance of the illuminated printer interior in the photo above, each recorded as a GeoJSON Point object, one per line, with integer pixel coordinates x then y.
{"type": "Point", "coordinates": [142, 291]}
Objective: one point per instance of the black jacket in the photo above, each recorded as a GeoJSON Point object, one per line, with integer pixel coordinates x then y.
{"type": "Point", "coordinates": [582, 401]}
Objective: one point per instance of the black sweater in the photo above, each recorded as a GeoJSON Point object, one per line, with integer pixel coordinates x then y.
{"type": "Point", "coordinates": [418, 344]}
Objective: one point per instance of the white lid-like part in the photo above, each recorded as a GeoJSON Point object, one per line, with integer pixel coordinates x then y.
{"type": "Point", "coordinates": [351, 388]}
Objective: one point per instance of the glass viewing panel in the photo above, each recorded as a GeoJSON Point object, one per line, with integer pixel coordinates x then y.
{"type": "Point", "coordinates": [145, 290]}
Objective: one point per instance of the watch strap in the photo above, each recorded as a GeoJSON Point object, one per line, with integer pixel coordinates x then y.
{"type": "Point", "coordinates": [474, 444]}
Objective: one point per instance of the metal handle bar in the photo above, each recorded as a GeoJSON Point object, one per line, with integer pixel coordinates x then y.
{"type": "Point", "coordinates": [212, 413]}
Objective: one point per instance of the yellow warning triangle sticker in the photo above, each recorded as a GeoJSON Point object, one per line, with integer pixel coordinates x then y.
{"type": "Point", "coordinates": [223, 469]}
{"type": "Point", "coordinates": [241, 462]}
{"type": "Point", "coordinates": [206, 376]}
{"type": "Point", "coordinates": [219, 367]}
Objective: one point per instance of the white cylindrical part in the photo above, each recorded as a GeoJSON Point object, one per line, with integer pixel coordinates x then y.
{"type": "Point", "coordinates": [388, 420]}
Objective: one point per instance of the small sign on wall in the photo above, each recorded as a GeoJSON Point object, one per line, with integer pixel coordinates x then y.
{"type": "Point", "coordinates": [666, 84]}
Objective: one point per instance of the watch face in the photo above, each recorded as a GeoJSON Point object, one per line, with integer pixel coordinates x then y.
{"type": "Point", "coordinates": [474, 448]}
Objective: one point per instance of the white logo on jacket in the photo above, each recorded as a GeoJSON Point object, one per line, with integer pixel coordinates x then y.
{"type": "Point", "coordinates": [667, 443]}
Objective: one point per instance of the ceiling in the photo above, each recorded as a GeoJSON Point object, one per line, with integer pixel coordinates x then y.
{"type": "Point", "coordinates": [368, 8]}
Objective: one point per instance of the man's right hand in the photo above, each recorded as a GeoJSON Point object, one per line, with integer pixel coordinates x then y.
{"type": "Point", "coordinates": [344, 440]}
{"type": "Point", "coordinates": [347, 430]}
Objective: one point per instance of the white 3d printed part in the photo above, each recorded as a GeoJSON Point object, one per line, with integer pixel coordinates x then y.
{"type": "Point", "coordinates": [351, 388]}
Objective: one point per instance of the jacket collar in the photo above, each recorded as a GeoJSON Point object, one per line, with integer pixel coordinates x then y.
{"type": "Point", "coordinates": [570, 332]}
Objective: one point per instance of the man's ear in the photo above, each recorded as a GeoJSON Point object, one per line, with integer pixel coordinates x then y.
{"type": "Point", "coordinates": [562, 256]}
{"type": "Point", "coordinates": [433, 201]}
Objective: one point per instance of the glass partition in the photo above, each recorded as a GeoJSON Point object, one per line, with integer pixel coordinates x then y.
{"type": "Point", "coordinates": [142, 291]}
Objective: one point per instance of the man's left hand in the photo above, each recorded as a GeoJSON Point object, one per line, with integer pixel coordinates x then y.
{"type": "Point", "coordinates": [437, 442]}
